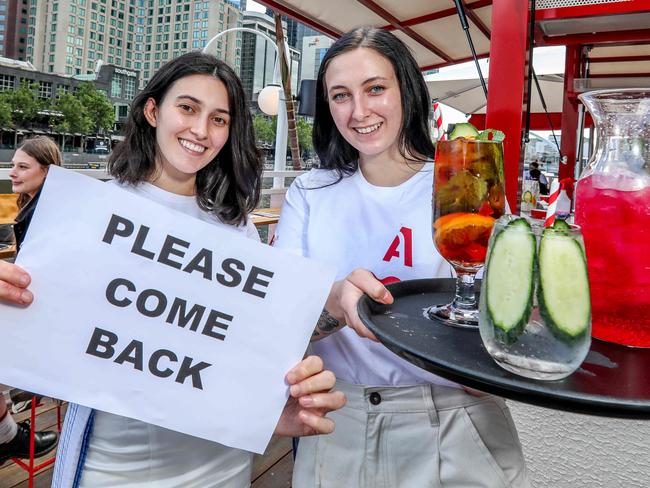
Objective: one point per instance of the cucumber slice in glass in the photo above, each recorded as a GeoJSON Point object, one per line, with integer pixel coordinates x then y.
{"type": "Point", "coordinates": [563, 293]}
{"type": "Point", "coordinates": [510, 280]}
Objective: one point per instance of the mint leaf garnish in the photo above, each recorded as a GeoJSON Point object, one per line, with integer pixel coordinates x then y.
{"type": "Point", "coordinates": [491, 135]}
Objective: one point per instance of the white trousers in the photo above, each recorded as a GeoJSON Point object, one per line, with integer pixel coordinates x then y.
{"type": "Point", "coordinates": [414, 437]}
{"type": "Point", "coordinates": [127, 453]}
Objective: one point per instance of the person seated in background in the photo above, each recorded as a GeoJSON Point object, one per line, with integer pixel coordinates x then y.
{"type": "Point", "coordinates": [14, 437]}
{"type": "Point", "coordinates": [29, 168]}
{"type": "Point", "coordinates": [535, 174]}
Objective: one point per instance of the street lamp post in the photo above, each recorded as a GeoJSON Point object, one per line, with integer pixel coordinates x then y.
{"type": "Point", "coordinates": [282, 128]}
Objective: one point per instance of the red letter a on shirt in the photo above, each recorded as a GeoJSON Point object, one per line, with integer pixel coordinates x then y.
{"type": "Point", "coordinates": [393, 252]}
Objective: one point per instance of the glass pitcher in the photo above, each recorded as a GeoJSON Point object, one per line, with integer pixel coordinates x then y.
{"type": "Point", "coordinates": [613, 208]}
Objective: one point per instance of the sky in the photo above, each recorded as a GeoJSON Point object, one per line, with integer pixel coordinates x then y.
{"type": "Point", "coordinates": [255, 7]}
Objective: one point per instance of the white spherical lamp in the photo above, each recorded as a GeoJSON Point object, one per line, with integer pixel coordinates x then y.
{"type": "Point", "coordinates": [268, 99]}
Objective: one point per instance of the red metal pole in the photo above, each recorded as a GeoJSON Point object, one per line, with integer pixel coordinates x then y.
{"type": "Point", "coordinates": [507, 86]}
{"type": "Point", "coordinates": [572, 66]}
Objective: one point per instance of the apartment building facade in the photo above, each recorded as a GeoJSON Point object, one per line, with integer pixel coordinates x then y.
{"type": "Point", "coordinates": [74, 37]}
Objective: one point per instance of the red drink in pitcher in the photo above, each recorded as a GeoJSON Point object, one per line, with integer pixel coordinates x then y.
{"type": "Point", "coordinates": [616, 230]}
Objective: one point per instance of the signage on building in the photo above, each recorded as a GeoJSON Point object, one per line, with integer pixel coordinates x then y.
{"type": "Point", "coordinates": [125, 72]}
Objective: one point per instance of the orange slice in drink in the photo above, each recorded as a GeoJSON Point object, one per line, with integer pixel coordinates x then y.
{"type": "Point", "coordinates": [463, 236]}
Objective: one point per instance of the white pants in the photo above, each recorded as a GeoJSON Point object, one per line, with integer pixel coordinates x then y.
{"type": "Point", "coordinates": [414, 437]}
{"type": "Point", "coordinates": [127, 453]}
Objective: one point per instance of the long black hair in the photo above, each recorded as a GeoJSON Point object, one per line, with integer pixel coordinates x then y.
{"type": "Point", "coordinates": [414, 137]}
{"type": "Point", "coordinates": [229, 186]}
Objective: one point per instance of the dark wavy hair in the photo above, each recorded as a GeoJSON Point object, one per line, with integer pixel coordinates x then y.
{"type": "Point", "coordinates": [229, 186]}
{"type": "Point", "coordinates": [45, 151]}
{"type": "Point", "coordinates": [414, 136]}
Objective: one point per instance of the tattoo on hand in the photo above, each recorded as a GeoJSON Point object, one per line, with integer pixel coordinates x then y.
{"type": "Point", "coordinates": [325, 326]}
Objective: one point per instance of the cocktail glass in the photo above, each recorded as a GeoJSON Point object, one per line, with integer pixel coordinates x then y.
{"type": "Point", "coordinates": [468, 196]}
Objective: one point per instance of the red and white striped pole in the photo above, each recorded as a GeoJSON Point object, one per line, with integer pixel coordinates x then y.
{"type": "Point", "coordinates": [552, 203]}
{"type": "Point", "coordinates": [437, 130]}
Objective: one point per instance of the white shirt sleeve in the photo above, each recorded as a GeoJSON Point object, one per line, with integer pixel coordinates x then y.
{"type": "Point", "coordinates": [251, 230]}
{"type": "Point", "coordinates": [291, 231]}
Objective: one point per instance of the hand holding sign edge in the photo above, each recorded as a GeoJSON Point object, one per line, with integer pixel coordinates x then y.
{"type": "Point", "coordinates": [13, 284]}
{"type": "Point", "coordinates": [310, 400]}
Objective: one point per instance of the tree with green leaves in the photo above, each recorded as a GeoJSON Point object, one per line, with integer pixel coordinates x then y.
{"type": "Point", "coordinates": [97, 107]}
{"type": "Point", "coordinates": [264, 128]}
{"type": "Point", "coordinates": [6, 119]}
{"type": "Point", "coordinates": [24, 103]}
{"type": "Point", "coordinates": [70, 115]}
{"type": "Point", "coordinates": [304, 134]}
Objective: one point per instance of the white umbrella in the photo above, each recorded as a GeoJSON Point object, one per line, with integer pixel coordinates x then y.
{"type": "Point", "coordinates": [466, 95]}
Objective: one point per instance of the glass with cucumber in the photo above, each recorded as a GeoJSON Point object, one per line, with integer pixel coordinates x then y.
{"type": "Point", "coordinates": [535, 310]}
{"type": "Point", "coordinates": [468, 196]}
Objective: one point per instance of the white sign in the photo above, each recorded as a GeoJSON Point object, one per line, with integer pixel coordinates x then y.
{"type": "Point", "coordinates": [146, 312]}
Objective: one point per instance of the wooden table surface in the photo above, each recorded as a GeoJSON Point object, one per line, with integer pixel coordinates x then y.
{"type": "Point", "coordinates": [265, 216]}
{"type": "Point", "coordinates": [7, 252]}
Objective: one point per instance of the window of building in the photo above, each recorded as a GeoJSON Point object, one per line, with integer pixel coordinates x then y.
{"type": "Point", "coordinates": [116, 86]}
{"type": "Point", "coordinates": [129, 88]}
{"type": "Point", "coordinates": [6, 83]}
{"type": "Point", "coordinates": [44, 89]}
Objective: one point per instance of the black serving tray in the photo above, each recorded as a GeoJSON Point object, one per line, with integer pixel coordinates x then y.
{"type": "Point", "coordinates": [613, 381]}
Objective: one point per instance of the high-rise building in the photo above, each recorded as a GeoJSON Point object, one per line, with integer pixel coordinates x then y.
{"type": "Point", "coordinates": [71, 37]}
{"type": "Point", "coordinates": [259, 55]}
{"type": "Point", "coordinates": [296, 31]}
{"type": "Point", "coordinates": [240, 4]}
{"type": "Point", "coordinates": [13, 28]}
{"type": "Point", "coordinates": [313, 51]}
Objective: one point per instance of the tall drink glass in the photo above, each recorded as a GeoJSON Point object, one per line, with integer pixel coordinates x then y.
{"type": "Point", "coordinates": [468, 196]}
{"type": "Point", "coordinates": [534, 307]}
{"type": "Point", "coordinates": [613, 209]}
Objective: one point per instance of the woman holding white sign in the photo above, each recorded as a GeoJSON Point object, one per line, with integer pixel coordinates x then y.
{"type": "Point", "coordinates": [189, 144]}
{"type": "Point", "coordinates": [370, 207]}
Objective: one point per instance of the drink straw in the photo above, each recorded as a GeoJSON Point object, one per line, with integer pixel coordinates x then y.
{"type": "Point", "coordinates": [552, 203]}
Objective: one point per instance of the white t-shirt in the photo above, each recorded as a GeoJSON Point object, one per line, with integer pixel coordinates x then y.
{"type": "Point", "coordinates": [354, 224]}
{"type": "Point", "coordinates": [129, 453]}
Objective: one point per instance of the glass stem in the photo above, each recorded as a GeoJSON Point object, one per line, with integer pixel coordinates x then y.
{"type": "Point", "coordinates": [465, 298]}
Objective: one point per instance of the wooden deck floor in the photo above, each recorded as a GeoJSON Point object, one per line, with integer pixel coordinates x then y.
{"type": "Point", "coordinates": [273, 470]}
